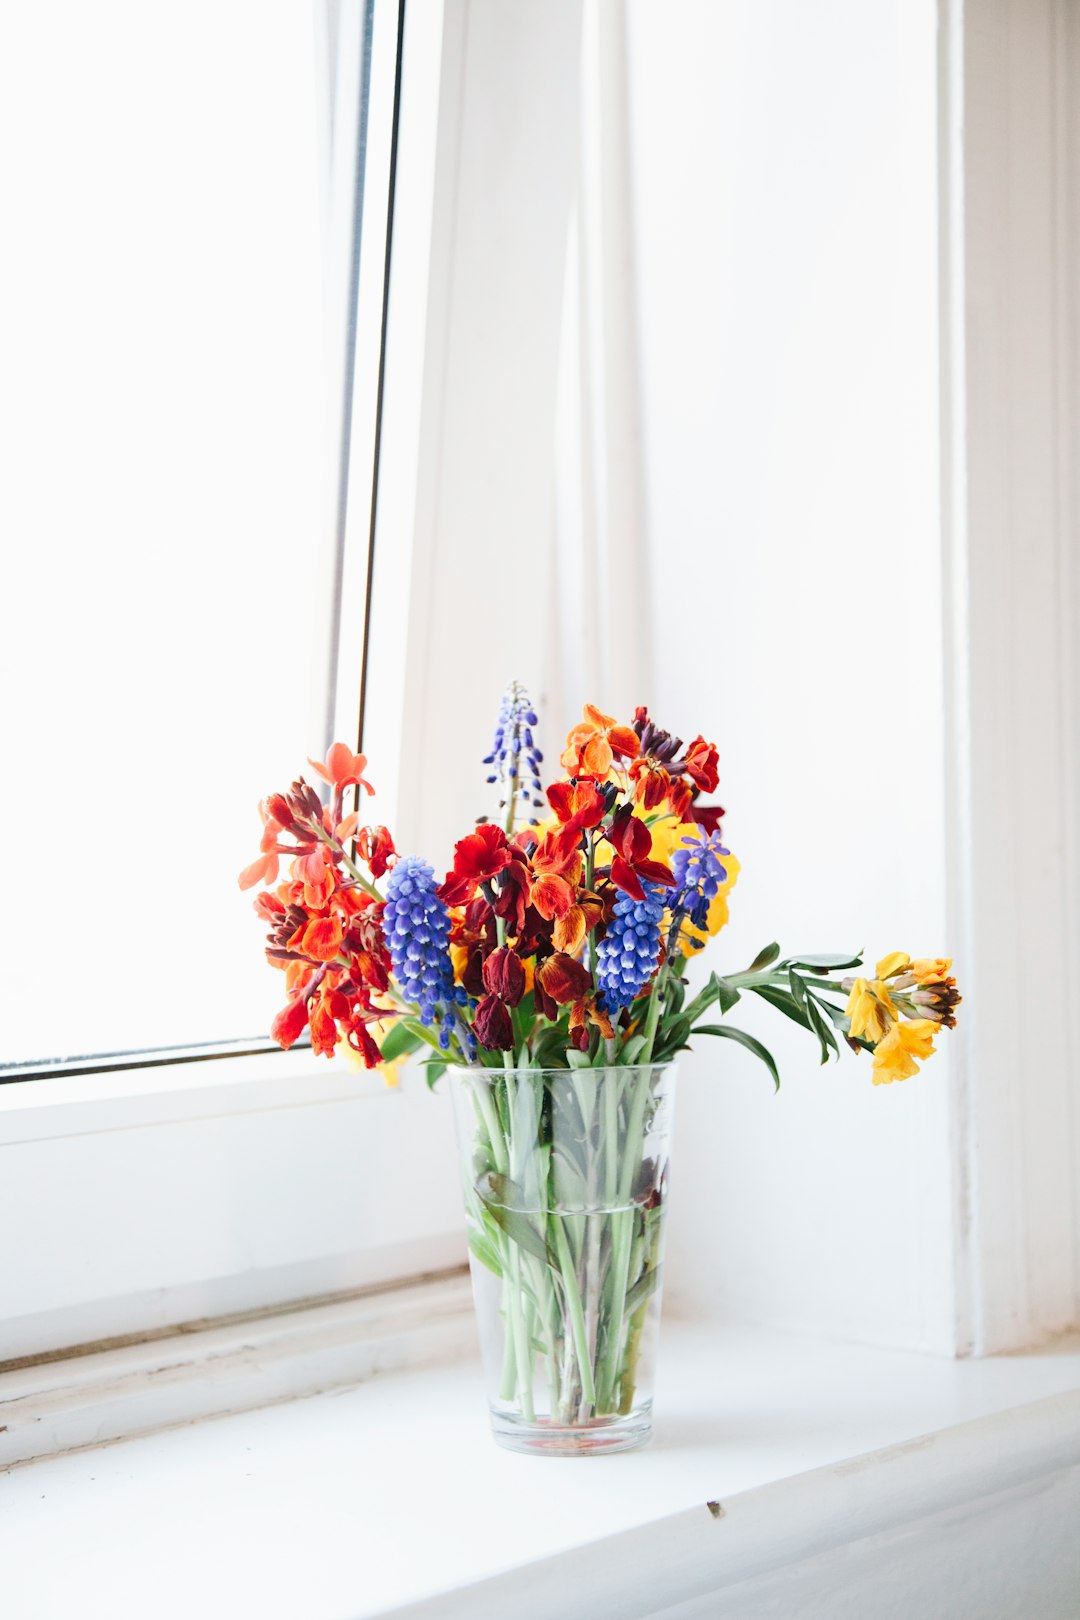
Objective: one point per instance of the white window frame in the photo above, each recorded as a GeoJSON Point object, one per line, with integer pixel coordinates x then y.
{"type": "Point", "coordinates": [138, 1197]}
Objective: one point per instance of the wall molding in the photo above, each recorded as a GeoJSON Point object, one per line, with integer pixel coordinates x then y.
{"type": "Point", "coordinates": [1010, 144]}
{"type": "Point", "coordinates": [210, 1369]}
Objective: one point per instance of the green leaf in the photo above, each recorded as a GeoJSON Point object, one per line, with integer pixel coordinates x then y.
{"type": "Point", "coordinates": [494, 1191]}
{"type": "Point", "coordinates": [822, 1031]}
{"type": "Point", "coordinates": [740, 1035]}
{"type": "Point", "coordinates": [485, 1251]}
{"type": "Point", "coordinates": [764, 958]}
{"type": "Point", "coordinates": [672, 1037]}
{"type": "Point", "coordinates": [726, 994]}
{"type": "Point", "coordinates": [632, 1049]}
{"type": "Point", "coordinates": [827, 964]}
{"type": "Point", "coordinates": [401, 1039]}
{"type": "Point", "coordinates": [798, 987]}
{"type": "Point", "coordinates": [837, 1014]}
{"type": "Point", "coordinates": [642, 1289]}
{"type": "Point", "coordinates": [784, 1003]}
{"type": "Point", "coordinates": [435, 1072]}
{"type": "Point", "coordinates": [578, 1060]}
{"type": "Point", "coordinates": [676, 995]}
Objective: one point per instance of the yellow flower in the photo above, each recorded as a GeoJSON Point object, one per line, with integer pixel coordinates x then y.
{"type": "Point", "coordinates": [891, 965]}
{"type": "Point", "coordinates": [929, 968]}
{"type": "Point", "coordinates": [391, 1072]}
{"type": "Point", "coordinates": [870, 1008]}
{"type": "Point", "coordinates": [895, 1056]}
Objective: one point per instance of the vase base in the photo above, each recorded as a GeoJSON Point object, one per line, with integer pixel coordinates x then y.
{"type": "Point", "coordinates": [546, 1438]}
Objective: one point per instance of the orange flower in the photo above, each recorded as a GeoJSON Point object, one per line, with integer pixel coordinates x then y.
{"type": "Point", "coordinates": [557, 867]}
{"type": "Point", "coordinates": [342, 768]}
{"type": "Point", "coordinates": [592, 745]}
{"type": "Point", "coordinates": [265, 869]}
{"type": "Point", "coordinates": [651, 783]}
{"type": "Point", "coordinates": [316, 872]}
{"type": "Point", "coordinates": [577, 804]}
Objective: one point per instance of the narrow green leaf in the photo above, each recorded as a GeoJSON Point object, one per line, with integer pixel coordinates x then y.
{"type": "Point", "coordinates": [435, 1072]}
{"type": "Point", "coordinates": [726, 994]}
{"type": "Point", "coordinates": [740, 1035]}
{"type": "Point", "coordinates": [798, 987]}
{"type": "Point", "coordinates": [837, 1014]}
{"type": "Point", "coordinates": [401, 1039]}
{"type": "Point", "coordinates": [578, 1060]}
{"type": "Point", "coordinates": [642, 1289]}
{"type": "Point", "coordinates": [827, 964]}
{"type": "Point", "coordinates": [632, 1049]}
{"type": "Point", "coordinates": [822, 1031]}
{"type": "Point", "coordinates": [784, 1003]}
{"type": "Point", "coordinates": [494, 1191]}
{"type": "Point", "coordinates": [763, 958]}
{"type": "Point", "coordinates": [485, 1251]}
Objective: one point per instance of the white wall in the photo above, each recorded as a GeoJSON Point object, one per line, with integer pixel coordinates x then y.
{"type": "Point", "coordinates": [786, 214]}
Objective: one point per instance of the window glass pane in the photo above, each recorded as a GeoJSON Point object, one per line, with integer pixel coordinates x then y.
{"type": "Point", "coordinates": [161, 505]}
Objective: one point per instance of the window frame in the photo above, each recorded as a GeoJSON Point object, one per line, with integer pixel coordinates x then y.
{"type": "Point", "coordinates": [116, 1153]}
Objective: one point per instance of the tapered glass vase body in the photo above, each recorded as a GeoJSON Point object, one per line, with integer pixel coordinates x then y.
{"type": "Point", "coordinates": [565, 1180]}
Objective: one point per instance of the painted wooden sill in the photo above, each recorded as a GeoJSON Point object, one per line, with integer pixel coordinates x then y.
{"type": "Point", "coordinates": [389, 1498]}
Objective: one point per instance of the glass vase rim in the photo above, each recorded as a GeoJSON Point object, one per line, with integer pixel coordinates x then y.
{"type": "Point", "coordinates": [497, 1073]}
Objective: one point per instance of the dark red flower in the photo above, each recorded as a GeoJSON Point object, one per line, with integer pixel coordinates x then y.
{"type": "Point", "coordinates": [632, 841]}
{"type": "Point", "coordinates": [504, 975]}
{"type": "Point", "coordinates": [492, 1026]}
{"type": "Point", "coordinates": [707, 816]}
{"type": "Point", "coordinates": [375, 846]}
{"type": "Point", "coordinates": [559, 979]}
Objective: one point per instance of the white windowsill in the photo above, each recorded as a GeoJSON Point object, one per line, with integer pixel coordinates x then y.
{"type": "Point", "coordinates": [360, 1501]}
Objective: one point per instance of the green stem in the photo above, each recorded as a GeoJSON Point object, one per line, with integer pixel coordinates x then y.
{"type": "Point", "coordinates": [574, 1310]}
{"type": "Point", "coordinates": [347, 861]}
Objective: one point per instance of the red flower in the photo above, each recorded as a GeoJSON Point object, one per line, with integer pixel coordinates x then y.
{"type": "Point", "coordinates": [492, 1026]}
{"type": "Point", "coordinates": [578, 804]}
{"type": "Point", "coordinates": [707, 816]}
{"type": "Point", "coordinates": [702, 763]}
{"type": "Point", "coordinates": [290, 1023]}
{"type": "Point", "coordinates": [342, 768]}
{"type": "Point", "coordinates": [504, 975]}
{"type": "Point", "coordinates": [631, 839]}
{"type": "Point", "coordinates": [651, 783]}
{"type": "Point", "coordinates": [482, 854]}
{"type": "Point", "coordinates": [375, 846]}
{"type": "Point", "coordinates": [559, 979]}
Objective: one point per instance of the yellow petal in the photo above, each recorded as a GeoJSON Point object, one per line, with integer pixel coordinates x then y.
{"type": "Point", "coordinates": [892, 964]}
{"type": "Point", "coordinates": [928, 968]}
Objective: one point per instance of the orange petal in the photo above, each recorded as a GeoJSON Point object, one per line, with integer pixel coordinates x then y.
{"type": "Point", "coordinates": [569, 931]}
{"type": "Point", "coordinates": [624, 741]}
{"type": "Point", "coordinates": [322, 938]}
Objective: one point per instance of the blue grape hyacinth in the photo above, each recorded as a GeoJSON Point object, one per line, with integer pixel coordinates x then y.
{"type": "Point", "coordinates": [627, 955]}
{"type": "Point", "coordinates": [699, 872]}
{"type": "Point", "coordinates": [514, 757]}
{"type": "Point", "coordinates": [416, 927]}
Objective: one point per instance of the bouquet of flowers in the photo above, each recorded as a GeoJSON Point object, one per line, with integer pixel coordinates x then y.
{"type": "Point", "coordinates": [548, 970]}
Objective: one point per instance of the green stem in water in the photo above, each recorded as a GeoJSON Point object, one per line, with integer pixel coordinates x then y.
{"type": "Point", "coordinates": [574, 1310]}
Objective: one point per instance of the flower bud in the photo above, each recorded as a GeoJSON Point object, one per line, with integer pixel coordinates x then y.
{"type": "Point", "coordinates": [504, 975]}
{"type": "Point", "coordinates": [492, 1026]}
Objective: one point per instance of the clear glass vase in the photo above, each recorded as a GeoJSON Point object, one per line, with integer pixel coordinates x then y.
{"type": "Point", "coordinates": [565, 1177]}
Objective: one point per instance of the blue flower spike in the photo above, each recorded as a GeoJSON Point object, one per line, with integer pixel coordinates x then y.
{"type": "Point", "coordinates": [626, 957]}
{"type": "Point", "coordinates": [416, 927]}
